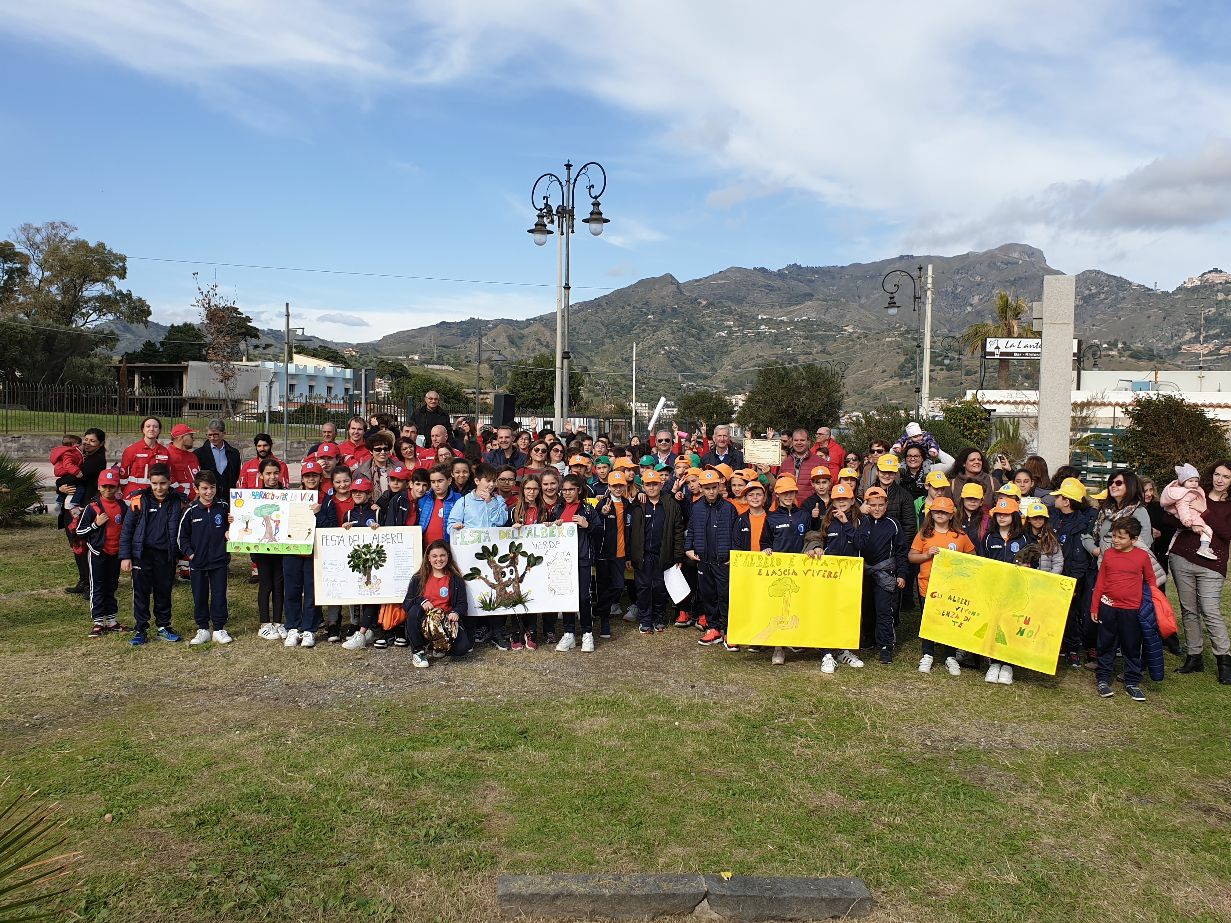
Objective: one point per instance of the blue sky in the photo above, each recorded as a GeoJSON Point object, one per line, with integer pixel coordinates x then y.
{"type": "Point", "coordinates": [403, 138]}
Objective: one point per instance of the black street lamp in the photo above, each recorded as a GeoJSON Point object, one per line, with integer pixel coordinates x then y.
{"type": "Point", "coordinates": [892, 307]}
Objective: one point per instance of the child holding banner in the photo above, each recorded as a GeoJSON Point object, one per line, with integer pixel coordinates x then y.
{"type": "Point", "coordinates": [298, 577]}
{"type": "Point", "coordinates": [335, 510]}
{"type": "Point", "coordinates": [364, 513]}
{"type": "Point", "coordinates": [527, 510]}
{"type": "Point", "coordinates": [589, 530]}
{"type": "Point", "coordinates": [835, 536]}
{"type": "Point", "coordinates": [1002, 542]}
{"type": "Point", "coordinates": [786, 523]}
{"type": "Point", "coordinates": [1073, 519]}
{"type": "Point", "coordinates": [935, 536]}
{"type": "Point", "coordinates": [270, 582]}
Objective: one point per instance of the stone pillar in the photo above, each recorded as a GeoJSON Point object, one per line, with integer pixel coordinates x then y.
{"type": "Point", "coordinates": [1056, 369]}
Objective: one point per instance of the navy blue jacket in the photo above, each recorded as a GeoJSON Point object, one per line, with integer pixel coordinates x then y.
{"type": "Point", "coordinates": [607, 545]}
{"type": "Point", "coordinates": [203, 535]}
{"type": "Point", "coordinates": [1070, 527]}
{"type": "Point", "coordinates": [840, 539]}
{"type": "Point", "coordinates": [711, 530]}
{"type": "Point", "coordinates": [363, 515]}
{"type": "Point", "coordinates": [413, 604]}
{"type": "Point", "coordinates": [734, 458]}
{"type": "Point", "coordinates": [878, 540]}
{"type": "Point", "coordinates": [396, 509]}
{"type": "Point", "coordinates": [150, 524]}
{"type": "Point", "coordinates": [998, 549]}
{"type": "Point", "coordinates": [743, 534]}
{"type": "Point", "coordinates": [589, 538]}
{"type": "Point", "coordinates": [786, 530]}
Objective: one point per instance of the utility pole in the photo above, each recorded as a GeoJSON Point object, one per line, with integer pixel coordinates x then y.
{"type": "Point", "coordinates": [286, 383]}
{"type": "Point", "coordinates": [478, 366]}
{"type": "Point", "coordinates": [925, 387]}
{"type": "Point", "coordinates": [634, 403]}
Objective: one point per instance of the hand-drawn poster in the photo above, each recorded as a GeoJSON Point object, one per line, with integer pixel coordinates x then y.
{"type": "Point", "coordinates": [1009, 613]}
{"type": "Point", "coordinates": [792, 600]}
{"type": "Point", "coordinates": [272, 521]}
{"type": "Point", "coordinates": [364, 565]}
{"type": "Point", "coordinates": [511, 570]}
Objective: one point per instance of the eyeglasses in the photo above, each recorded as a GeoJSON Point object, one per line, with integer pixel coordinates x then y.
{"type": "Point", "coordinates": [380, 448]}
{"type": "Point", "coordinates": [877, 452]}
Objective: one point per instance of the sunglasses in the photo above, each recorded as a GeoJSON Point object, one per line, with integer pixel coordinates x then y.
{"type": "Point", "coordinates": [1118, 482]}
{"type": "Point", "coordinates": [663, 441]}
{"type": "Point", "coordinates": [538, 451]}
{"type": "Point", "coordinates": [877, 452]}
{"type": "Point", "coordinates": [380, 448]}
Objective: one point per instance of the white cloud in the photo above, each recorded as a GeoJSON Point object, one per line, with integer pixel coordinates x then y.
{"type": "Point", "coordinates": [339, 317]}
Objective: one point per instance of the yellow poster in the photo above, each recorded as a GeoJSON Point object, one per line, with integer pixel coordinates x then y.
{"type": "Point", "coordinates": [792, 600]}
{"type": "Point", "coordinates": [1009, 613]}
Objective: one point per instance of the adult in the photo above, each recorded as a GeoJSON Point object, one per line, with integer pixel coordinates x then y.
{"type": "Point", "coordinates": [354, 450]}
{"type": "Point", "coordinates": [538, 460]}
{"type": "Point", "coordinates": [827, 447]}
{"type": "Point", "coordinates": [877, 449]}
{"type": "Point", "coordinates": [379, 463]}
{"type": "Point", "coordinates": [139, 457]}
{"type": "Point", "coordinates": [406, 452]}
{"type": "Point", "coordinates": [1163, 524]}
{"type": "Point", "coordinates": [250, 471]}
{"type": "Point", "coordinates": [504, 452]}
{"type": "Point", "coordinates": [184, 463]}
{"type": "Point", "coordinates": [80, 491]}
{"type": "Point", "coordinates": [430, 413]}
{"type": "Point", "coordinates": [523, 441]}
{"type": "Point", "coordinates": [1123, 499]}
{"type": "Point", "coordinates": [722, 452]}
{"type": "Point", "coordinates": [1199, 581]}
{"type": "Point", "coordinates": [914, 472]}
{"type": "Point", "coordinates": [466, 438]}
{"type": "Point", "coordinates": [800, 464]}
{"type": "Point", "coordinates": [970, 467]}
{"type": "Point", "coordinates": [329, 433]}
{"type": "Point", "coordinates": [220, 457]}
{"type": "Point", "coordinates": [663, 441]}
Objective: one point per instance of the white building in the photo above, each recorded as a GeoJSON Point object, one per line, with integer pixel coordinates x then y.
{"type": "Point", "coordinates": [310, 379]}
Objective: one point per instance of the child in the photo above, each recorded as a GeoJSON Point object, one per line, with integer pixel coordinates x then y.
{"type": "Point", "coordinates": [436, 596]}
{"type": "Point", "coordinates": [656, 545]}
{"type": "Point", "coordinates": [818, 502]}
{"type": "Point", "coordinates": [589, 532]}
{"type": "Point", "coordinates": [299, 584]}
{"type": "Point", "coordinates": [850, 477]}
{"type": "Point", "coordinates": [973, 519]}
{"type": "Point", "coordinates": [708, 541]}
{"type": "Point", "coordinates": [836, 536]}
{"type": "Point", "coordinates": [99, 526]}
{"type": "Point", "coordinates": [915, 435]}
{"type": "Point", "coordinates": [528, 510]}
{"type": "Point", "coordinates": [1073, 519]}
{"type": "Point", "coordinates": [882, 544]}
{"type": "Point", "coordinates": [203, 541]}
{"type": "Point", "coordinates": [750, 531]}
{"type": "Point", "coordinates": [1002, 543]}
{"type": "Point", "coordinates": [1038, 531]}
{"type": "Point", "coordinates": [1123, 573]}
{"type": "Point", "coordinates": [786, 523]}
{"type": "Point", "coordinates": [364, 513]}
{"type": "Point", "coordinates": [436, 505]}
{"type": "Point", "coordinates": [270, 591]}
{"type": "Point", "coordinates": [483, 508]}
{"type": "Point", "coordinates": [1184, 499]}
{"type": "Point", "coordinates": [148, 551]}
{"type": "Point", "coordinates": [936, 535]}
{"type": "Point", "coordinates": [66, 461]}
{"type": "Point", "coordinates": [611, 551]}
{"type": "Point", "coordinates": [335, 510]}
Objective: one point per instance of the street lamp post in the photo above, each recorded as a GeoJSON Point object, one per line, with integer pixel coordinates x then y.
{"type": "Point", "coordinates": [950, 348]}
{"type": "Point", "coordinates": [919, 288]}
{"type": "Point", "coordinates": [563, 216]}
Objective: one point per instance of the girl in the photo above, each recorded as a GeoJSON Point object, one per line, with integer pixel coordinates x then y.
{"type": "Point", "coordinates": [1039, 532]}
{"type": "Point", "coordinates": [1002, 543]}
{"type": "Point", "coordinates": [787, 523]}
{"type": "Point", "coordinates": [299, 587]}
{"type": "Point", "coordinates": [364, 513]}
{"type": "Point", "coordinates": [835, 536]}
{"type": "Point", "coordinates": [850, 477]}
{"type": "Point", "coordinates": [938, 533]}
{"type": "Point", "coordinates": [589, 532]}
{"type": "Point", "coordinates": [462, 476]}
{"type": "Point", "coordinates": [467, 435]}
{"type": "Point", "coordinates": [750, 531]}
{"type": "Point", "coordinates": [552, 506]}
{"type": "Point", "coordinates": [1185, 500]}
{"type": "Point", "coordinates": [538, 460]}
{"type": "Point", "coordinates": [269, 567]}
{"type": "Point", "coordinates": [438, 595]}
{"type": "Point", "coordinates": [444, 455]}
{"type": "Point", "coordinates": [1073, 521]}
{"type": "Point", "coordinates": [527, 510]}
{"type": "Point", "coordinates": [335, 511]}
{"type": "Point", "coordinates": [973, 518]}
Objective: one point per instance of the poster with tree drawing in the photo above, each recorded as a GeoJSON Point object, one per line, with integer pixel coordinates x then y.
{"type": "Point", "coordinates": [509, 570]}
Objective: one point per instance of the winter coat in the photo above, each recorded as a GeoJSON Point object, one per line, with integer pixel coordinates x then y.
{"type": "Point", "coordinates": [1071, 530]}
{"type": "Point", "coordinates": [998, 549]}
{"type": "Point", "coordinates": [880, 541]}
{"type": "Point", "coordinates": [1151, 640]}
{"type": "Point", "coordinates": [671, 552]}
{"type": "Point", "coordinates": [136, 532]}
{"type": "Point", "coordinates": [203, 535]}
{"type": "Point", "coordinates": [1186, 504]}
{"type": "Point", "coordinates": [711, 530]}
{"type": "Point", "coordinates": [92, 529]}
{"type": "Point", "coordinates": [786, 530]}
{"type": "Point", "coordinates": [398, 509]}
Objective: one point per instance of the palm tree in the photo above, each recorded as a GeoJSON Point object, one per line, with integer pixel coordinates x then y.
{"type": "Point", "coordinates": [1008, 323]}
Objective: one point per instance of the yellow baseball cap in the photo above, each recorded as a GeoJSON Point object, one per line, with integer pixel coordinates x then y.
{"type": "Point", "coordinates": [1010, 490]}
{"type": "Point", "coordinates": [1034, 507]}
{"type": "Point", "coordinates": [971, 489]}
{"type": "Point", "coordinates": [848, 473]}
{"type": "Point", "coordinates": [888, 462]}
{"type": "Point", "coordinates": [1071, 488]}
{"type": "Point", "coordinates": [937, 479]}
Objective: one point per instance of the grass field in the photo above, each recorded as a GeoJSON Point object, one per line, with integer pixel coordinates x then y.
{"type": "Point", "coordinates": [254, 783]}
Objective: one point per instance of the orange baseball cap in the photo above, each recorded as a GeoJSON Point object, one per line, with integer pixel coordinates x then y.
{"type": "Point", "coordinates": [650, 477]}
{"type": "Point", "coordinates": [944, 504]}
{"type": "Point", "coordinates": [623, 462]}
{"type": "Point", "coordinates": [785, 485]}
{"type": "Point", "coordinates": [1006, 504]}
{"type": "Point", "coordinates": [578, 460]}
{"type": "Point", "coordinates": [724, 469]}
{"type": "Point", "coordinates": [874, 492]}
{"type": "Point", "coordinates": [710, 477]}
{"type": "Point", "coordinates": [842, 492]}
{"type": "Point", "coordinates": [617, 477]}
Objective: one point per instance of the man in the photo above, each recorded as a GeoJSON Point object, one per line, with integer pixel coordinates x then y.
{"type": "Point", "coordinates": [801, 463]}
{"type": "Point", "coordinates": [409, 431]}
{"type": "Point", "coordinates": [249, 472]}
{"type": "Point", "coordinates": [220, 458]}
{"type": "Point", "coordinates": [430, 414]}
{"type": "Point", "coordinates": [354, 450]}
{"type": "Point", "coordinates": [329, 433]}
{"type": "Point", "coordinates": [183, 462]}
{"type": "Point", "coordinates": [722, 452]}
{"type": "Point", "coordinates": [505, 453]}
{"type": "Point", "coordinates": [833, 454]}
{"type": "Point", "coordinates": [662, 448]}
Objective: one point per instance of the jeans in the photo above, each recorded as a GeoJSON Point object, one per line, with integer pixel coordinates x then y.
{"type": "Point", "coordinates": [1118, 628]}
{"type": "Point", "coordinates": [1200, 592]}
{"type": "Point", "coordinates": [299, 584]}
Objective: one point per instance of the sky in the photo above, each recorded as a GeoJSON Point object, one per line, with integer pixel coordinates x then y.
{"type": "Point", "coordinates": [395, 144]}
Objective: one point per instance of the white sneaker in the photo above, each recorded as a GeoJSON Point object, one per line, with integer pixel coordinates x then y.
{"type": "Point", "coordinates": [1006, 675]}
{"type": "Point", "coordinates": [418, 659]}
{"type": "Point", "coordinates": [221, 637]}
{"type": "Point", "coordinates": [587, 643]}
{"type": "Point", "coordinates": [307, 638]}
{"type": "Point", "coordinates": [779, 657]}
{"type": "Point", "coordinates": [268, 632]}
{"type": "Point", "coordinates": [954, 668]}
{"type": "Point", "coordinates": [925, 663]}
{"type": "Point", "coordinates": [993, 674]}
{"type": "Point", "coordinates": [202, 636]}
{"type": "Point", "coordinates": [828, 664]}
{"type": "Point", "coordinates": [1205, 552]}
{"type": "Point", "coordinates": [567, 642]}
{"type": "Point", "coordinates": [356, 642]}
{"type": "Point", "coordinates": [281, 631]}
{"type": "Point", "coordinates": [849, 658]}
{"type": "Point", "coordinates": [292, 638]}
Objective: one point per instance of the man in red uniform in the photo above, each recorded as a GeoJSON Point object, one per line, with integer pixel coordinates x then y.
{"type": "Point", "coordinates": [250, 472]}
{"type": "Point", "coordinates": [142, 455]}
{"type": "Point", "coordinates": [184, 463]}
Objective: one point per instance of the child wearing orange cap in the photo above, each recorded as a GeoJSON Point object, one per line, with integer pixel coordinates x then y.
{"type": "Point", "coordinates": [611, 554]}
{"type": "Point", "coordinates": [656, 545]}
{"type": "Point", "coordinates": [882, 545]}
{"type": "Point", "coordinates": [835, 535]}
{"type": "Point", "coordinates": [708, 542]}
{"type": "Point", "coordinates": [786, 523]}
{"type": "Point", "coordinates": [937, 534]}
{"type": "Point", "coordinates": [363, 513]}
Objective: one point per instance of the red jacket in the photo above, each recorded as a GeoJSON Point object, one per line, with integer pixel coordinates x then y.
{"type": "Point", "coordinates": [250, 474]}
{"type": "Point", "coordinates": [66, 460]}
{"type": "Point", "coordinates": [135, 466]}
{"type": "Point", "coordinates": [184, 467]}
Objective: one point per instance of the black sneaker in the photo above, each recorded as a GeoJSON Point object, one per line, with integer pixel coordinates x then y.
{"type": "Point", "coordinates": [645, 629]}
{"type": "Point", "coordinates": [604, 630]}
{"type": "Point", "coordinates": [78, 590]}
{"type": "Point", "coordinates": [333, 634]}
{"type": "Point", "coordinates": [886, 655]}
{"type": "Point", "coordinates": [481, 635]}
{"type": "Point", "coordinates": [1105, 691]}
{"type": "Point", "coordinates": [500, 643]}
{"type": "Point", "coordinates": [660, 627]}
{"type": "Point", "coordinates": [1135, 693]}
{"type": "Point", "coordinates": [1074, 660]}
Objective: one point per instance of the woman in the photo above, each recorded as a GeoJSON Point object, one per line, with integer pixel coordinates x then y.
{"type": "Point", "coordinates": [1199, 581]}
{"type": "Point", "coordinates": [867, 473]}
{"type": "Point", "coordinates": [970, 467]}
{"type": "Point", "coordinates": [555, 455]}
{"type": "Point", "coordinates": [444, 455]}
{"type": "Point", "coordinates": [914, 472]}
{"type": "Point", "coordinates": [406, 453]}
{"type": "Point", "coordinates": [855, 462]}
{"type": "Point", "coordinates": [84, 489]}
{"type": "Point", "coordinates": [1163, 524]}
{"type": "Point", "coordinates": [523, 441]}
{"type": "Point", "coordinates": [465, 436]}
{"type": "Point", "coordinates": [538, 460]}
{"type": "Point", "coordinates": [1123, 499]}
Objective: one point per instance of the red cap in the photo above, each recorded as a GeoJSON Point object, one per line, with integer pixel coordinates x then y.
{"type": "Point", "coordinates": [110, 476]}
{"type": "Point", "coordinates": [309, 467]}
{"type": "Point", "coordinates": [401, 472]}
{"type": "Point", "coordinates": [360, 483]}
{"type": "Point", "coordinates": [181, 429]}
{"type": "Point", "coordinates": [327, 450]}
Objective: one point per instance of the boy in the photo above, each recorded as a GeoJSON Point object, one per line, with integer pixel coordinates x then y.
{"type": "Point", "coordinates": [611, 552]}
{"type": "Point", "coordinates": [100, 525]}
{"type": "Point", "coordinates": [708, 541]}
{"type": "Point", "coordinates": [882, 545]}
{"type": "Point", "coordinates": [203, 541]}
{"type": "Point", "coordinates": [656, 545]}
{"type": "Point", "coordinates": [483, 508]}
{"type": "Point", "coordinates": [397, 506]}
{"type": "Point", "coordinates": [1117, 594]}
{"type": "Point", "coordinates": [148, 551]}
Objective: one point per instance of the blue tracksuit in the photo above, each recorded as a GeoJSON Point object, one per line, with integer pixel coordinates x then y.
{"type": "Point", "coordinates": [711, 536]}
{"type": "Point", "coordinates": [203, 540]}
{"type": "Point", "coordinates": [148, 539]}
{"type": "Point", "coordinates": [786, 529]}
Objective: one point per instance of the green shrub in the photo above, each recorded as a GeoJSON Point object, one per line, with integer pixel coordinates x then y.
{"type": "Point", "coordinates": [20, 489]}
{"type": "Point", "coordinates": [969, 418]}
{"type": "Point", "coordinates": [1163, 431]}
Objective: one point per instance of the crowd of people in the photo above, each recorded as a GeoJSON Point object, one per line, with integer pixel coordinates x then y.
{"type": "Point", "coordinates": [680, 499]}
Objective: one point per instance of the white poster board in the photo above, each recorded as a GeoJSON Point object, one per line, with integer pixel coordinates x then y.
{"type": "Point", "coordinates": [763, 452]}
{"type": "Point", "coordinates": [508, 570]}
{"type": "Point", "coordinates": [272, 521]}
{"type": "Point", "coordinates": [341, 578]}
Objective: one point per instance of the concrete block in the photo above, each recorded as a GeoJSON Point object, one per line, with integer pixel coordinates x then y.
{"type": "Point", "coordinates": [610, 897]}
{"type": "Point", "coordinates": [747, 898]}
